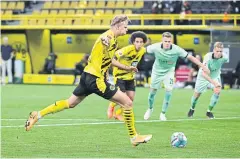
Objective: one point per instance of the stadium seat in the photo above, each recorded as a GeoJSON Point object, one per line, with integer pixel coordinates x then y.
{"type": "Point", "coordinates": [59, 21]}
{"type": "Point", "coordinates": [129, 4]}
{"type": "Point", "coordinates": [32, 22]}
{"type": "Point", "coordinates": [91, 4]}
{"type": "Point", "coordinates": [99, 12]}
{"type": "Point", "coordinates": [78, 21]}
{"type": "Point", "coordinates": [62, 12]}
{"type": "Point", "coordinates": [41, 21]}
{"type": "Point", "coordinates": [89, 11]}
{"type": "Point", "coordinates": [23, 22]}
{"type": "Point", "coordinates": [65, 5]}
{"type": "Point", "coordinates": [50, 21]}
{"type": "Point", "coordinates": [88, 21]}
{"type": "Point", "coordinates": [96, 22]}
{"type": "Point", "coordinates": [70, 12]}
{"type": "Point", "coordinates": [8, 12]}
{"type": "Point", "coordinates": [3, 5]}
{"type": "Point", "coordinates": [20, 6]}
{"type": "Point", "coordinates": [120, 4]}
{"type": "Point", "coordinates": [68, 21]}
{"type": "Point", "coordinates": [80, 11]}
{"type": "Point", "coordinates": [47, 5]}
{"type": "Point", "coordinates": [11, 5]}
{"type": "Point", "coordinates": [73, 5]}
{"type": "Point", "coordinates": [44, 12]}
{"type": "Point", "coordinates": [109, 12]}
{"type": "Point", "coordinates": [106, 22]}
{"type": "Point", "coordinates": [139, 4]}
{"type": "Point", "coordinates": [110, 4]}
{"type": "Point", "coordinates": [56, 4]}
{"type": "Point", "coordinates": [53, 12]}
{"type": "Point", "coordinates": [2, 12]}
{"type": "Point", "coordinates": [127, 11]}
{"type": "Point", "coordinates": [82, 4]}
{"type": "Point", "coordinates": [100, 4]}
{"type": "Point", "coordinates": [118, 11]}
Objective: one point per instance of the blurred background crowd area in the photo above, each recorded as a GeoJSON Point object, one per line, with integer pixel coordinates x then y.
{"type": "Point", "coordinates": [110, 7]}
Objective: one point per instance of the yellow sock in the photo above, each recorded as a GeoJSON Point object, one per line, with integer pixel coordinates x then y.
{"type": "Point", "coordinates": [112, 104]}
{"type": "Point", "coordinates": [56, 107]}
{"type": "Point", "coordinates": [129, 121]}
{"type": "Point", "coordinates": [119, 111]}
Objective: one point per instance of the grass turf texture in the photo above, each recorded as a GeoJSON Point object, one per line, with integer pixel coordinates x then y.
{"type": "Point", "coordinates": [93, 135]}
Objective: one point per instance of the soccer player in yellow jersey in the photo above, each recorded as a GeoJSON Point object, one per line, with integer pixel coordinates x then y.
{"type": "Point", "coordinates": [93, 80]}
{"type": "Point", "coordinates": [130, 56]}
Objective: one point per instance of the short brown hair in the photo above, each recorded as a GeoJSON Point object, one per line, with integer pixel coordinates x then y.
{"type": "Point", "coordinates": [119, 19]}
{"type": "Point", "coordinates": [167, 34]}
{"type": "Point", "coordinates": [218, 45]}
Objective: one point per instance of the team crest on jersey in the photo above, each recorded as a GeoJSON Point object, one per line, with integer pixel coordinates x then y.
{"type": "Point", "coordinates": [120, 53]}
{"type": "Point", "coordinates": [112, 87]}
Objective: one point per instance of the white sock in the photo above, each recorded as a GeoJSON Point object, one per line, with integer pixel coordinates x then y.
{"type": "Point", "coordinates": [39, 115]}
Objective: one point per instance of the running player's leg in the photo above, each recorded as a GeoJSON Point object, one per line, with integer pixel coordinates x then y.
{"type": "Point", "coordinates": [214, 100]}
{"type": "Point", "coordinates": [110, 92]}
{"type": "Point", "coordinates": [128, 115]}
{"type": "Point", "coordinates": [78, 95]}
{"type": "Point", "coordinates": [200, 87]}
{"type": "Point", "coordinates": [130, 91]}
{"type": "Point", "coordinates": [168, 82]}
{"type": "Point", "coordinates": [194, 100]}
{"type": "Point", "coordinates": [154, 86]}
{"type": "Point", "coordinates": [121, 84]}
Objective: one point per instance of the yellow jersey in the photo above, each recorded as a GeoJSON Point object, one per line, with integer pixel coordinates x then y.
{"type": "Point", "coordinates": [101, 56]}
{"type": "Point", "coordinates": [128, 56]}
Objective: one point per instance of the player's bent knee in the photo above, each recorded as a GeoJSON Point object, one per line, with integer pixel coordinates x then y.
{"type": "Point", "coordinates": [73, 101]}
{"type": "Point", "coordinates": [169, 89]}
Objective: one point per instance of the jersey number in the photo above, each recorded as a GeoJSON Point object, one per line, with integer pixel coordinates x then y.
{"type": "Point", "coordinates": [171, 81]}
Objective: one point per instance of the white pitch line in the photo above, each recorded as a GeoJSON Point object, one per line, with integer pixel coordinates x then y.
{"type": "Point", "coordinates": [117, 122]}
{"type": "Point", "coordinates": [55, 119]}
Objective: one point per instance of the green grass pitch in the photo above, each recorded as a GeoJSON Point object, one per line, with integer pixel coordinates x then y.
{"type": "Point", "coordinates": [85, 131]}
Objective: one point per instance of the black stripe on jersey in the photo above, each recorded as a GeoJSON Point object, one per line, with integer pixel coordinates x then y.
{"type": "Point", "coordinates": [138, 57]}
{"type": "Point", "coordinates": [106, 64]}
{"type": "Point", "coordinates": [114, 46]}
{"type": "Point", "coordinates": [130, 57]}
{"type": "Point", "coordinates": [186, 56]}
{"type": "Point", "coordinates": [105, 59]}
{"type": "Point", "coordinates": [121, 74]}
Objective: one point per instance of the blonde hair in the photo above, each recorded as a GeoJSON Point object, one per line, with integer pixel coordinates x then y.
{"type": "Point", "coordinates": [167, 34]}
{"type": "Point", "coordinates": [119, 19]}
{"type": "Point", "coordinates": [218, 45]}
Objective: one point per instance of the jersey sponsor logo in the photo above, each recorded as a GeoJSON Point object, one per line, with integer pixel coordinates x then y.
{"type": "Point", "coordinates": [134, 63]}
{"type": "Point", "coordinates": [163, 61]}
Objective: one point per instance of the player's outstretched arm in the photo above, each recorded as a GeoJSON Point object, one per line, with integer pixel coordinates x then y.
{"type": "Point", "coordinates": [197, 62]}
{"type": "Point", "coordinates": [217, 86]}
{"type": "Point", "coordinates": [123, 67]}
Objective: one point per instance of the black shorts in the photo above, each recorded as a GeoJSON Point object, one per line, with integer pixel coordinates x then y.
{"type": "Point", "coordinates": [91, 84]}
{"type": "Point", "coordinates": [126, 85]}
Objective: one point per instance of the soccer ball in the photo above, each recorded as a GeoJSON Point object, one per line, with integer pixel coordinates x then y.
{"type": "Point", "coordinates": [178, 139]}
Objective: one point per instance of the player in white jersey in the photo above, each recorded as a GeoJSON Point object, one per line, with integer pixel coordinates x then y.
{"type": "Point", "coordinates": [166, 55]}
{"type": "Point", "coordinates": [214, 61]}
